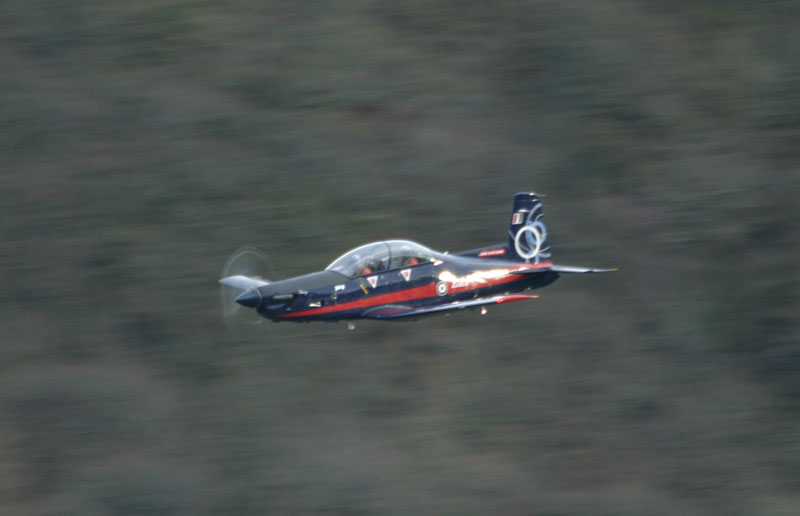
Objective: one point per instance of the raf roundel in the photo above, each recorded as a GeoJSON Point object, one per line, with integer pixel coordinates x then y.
{"type": "Point", "coordinates": [442, 288]}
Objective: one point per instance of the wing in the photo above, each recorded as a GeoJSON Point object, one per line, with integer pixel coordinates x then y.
{"type": "Point", "coordinates": [399, 311]}
{"type": "Point", "coordinates": [569, 269]}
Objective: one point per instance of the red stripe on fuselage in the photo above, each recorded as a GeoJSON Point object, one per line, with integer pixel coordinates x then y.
{"type": "Point", "coordinates": [383, 299]}
{"type": "Point", "coordinates": [413, 293]}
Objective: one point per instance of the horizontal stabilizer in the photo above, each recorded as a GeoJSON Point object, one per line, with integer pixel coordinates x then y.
{"type": "Point", "coordinates": [397, 311]}
{"type": "Point", "coordinates": [243, 282]}
{"type": "Point", "coordinates": [569, 269]}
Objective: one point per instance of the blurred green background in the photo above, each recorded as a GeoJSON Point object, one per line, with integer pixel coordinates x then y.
{"type": "Point", "coordinates": [143, 142]}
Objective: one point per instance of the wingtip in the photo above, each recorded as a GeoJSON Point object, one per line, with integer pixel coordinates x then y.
{"type": "Point", "coordinates": [515, 297]}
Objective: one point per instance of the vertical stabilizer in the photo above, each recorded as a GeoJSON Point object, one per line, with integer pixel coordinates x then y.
{"type": "Point", "coordinates": [527, 234]}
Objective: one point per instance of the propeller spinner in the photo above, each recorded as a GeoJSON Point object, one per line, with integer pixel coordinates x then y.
{"type": "Point", "coordinates": [245, 264]}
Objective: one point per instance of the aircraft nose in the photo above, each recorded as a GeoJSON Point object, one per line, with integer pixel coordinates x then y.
{"type": "Point", "coordinates": [250, 298]}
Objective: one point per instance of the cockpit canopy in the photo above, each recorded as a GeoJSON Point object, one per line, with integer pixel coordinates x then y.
{"type": "Point", "coordinates": [381, 256]}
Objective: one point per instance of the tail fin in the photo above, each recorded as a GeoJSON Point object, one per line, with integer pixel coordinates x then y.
{"type": "Point", "coordinates": [527, 235]}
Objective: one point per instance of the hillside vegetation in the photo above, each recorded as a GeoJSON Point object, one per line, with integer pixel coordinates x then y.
{"type": "Point", "coordinates": [143, 142]}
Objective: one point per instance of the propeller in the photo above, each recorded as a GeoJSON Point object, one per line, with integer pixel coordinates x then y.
{"type": "Point", "coordinates": [249, 262]}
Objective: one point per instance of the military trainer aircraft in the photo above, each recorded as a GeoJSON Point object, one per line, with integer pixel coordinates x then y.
{"type": "Point", "coordinates": [397, 280]}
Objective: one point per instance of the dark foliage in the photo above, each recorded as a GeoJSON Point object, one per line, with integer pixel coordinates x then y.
{"type": "Point", "coordinates": [142, 142]}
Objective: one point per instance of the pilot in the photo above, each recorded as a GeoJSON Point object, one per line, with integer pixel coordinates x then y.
{"type": "Point", "coordinates": [366, 267]}
{"type": "Point", "coordinates": [408, 258]}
